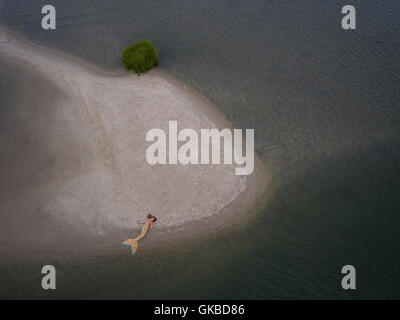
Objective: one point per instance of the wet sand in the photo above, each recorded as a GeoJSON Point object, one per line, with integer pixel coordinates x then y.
{"type": "Point", "coordinates": [73, 171]}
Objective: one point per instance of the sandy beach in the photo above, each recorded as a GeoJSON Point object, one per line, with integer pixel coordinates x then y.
{"type": "Point", "coordinates": [73, 169]}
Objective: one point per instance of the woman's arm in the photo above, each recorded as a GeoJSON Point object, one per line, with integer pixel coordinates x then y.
{"type": "Point", "coordinates": [153, 224]}
{"type": "Point", "coordinates": [141, 222]}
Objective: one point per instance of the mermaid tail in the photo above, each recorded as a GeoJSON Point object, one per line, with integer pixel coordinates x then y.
{"type": "Point", "coordinates": [132, 243]}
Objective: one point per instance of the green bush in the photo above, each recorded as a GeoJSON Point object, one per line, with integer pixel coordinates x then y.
{"type": "Point", "coordinates": [140, 56]}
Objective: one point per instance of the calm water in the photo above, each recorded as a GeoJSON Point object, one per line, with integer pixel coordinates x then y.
{"type": "Point", "coordinates": [325, 105]}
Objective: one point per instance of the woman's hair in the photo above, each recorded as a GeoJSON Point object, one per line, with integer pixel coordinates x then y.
{"type": "Point", "coordinates": [150, 216]}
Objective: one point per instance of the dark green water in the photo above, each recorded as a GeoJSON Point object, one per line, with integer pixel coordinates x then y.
{"type": "Point", "coordinates": [325, 106]}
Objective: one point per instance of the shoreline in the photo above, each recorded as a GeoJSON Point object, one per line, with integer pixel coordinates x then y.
{"type": "Point", "coordinates": [238, 210]}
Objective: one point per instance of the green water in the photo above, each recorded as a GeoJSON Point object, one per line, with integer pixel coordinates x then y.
{"type": "Point", "coordinates": [324, 104]}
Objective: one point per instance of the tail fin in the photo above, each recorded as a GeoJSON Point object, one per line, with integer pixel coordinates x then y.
{"type": "Point", "coordinates": [132, 243]}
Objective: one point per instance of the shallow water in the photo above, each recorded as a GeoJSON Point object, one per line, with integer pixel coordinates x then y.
{"type": "Point", "coordinates": [324, 103]}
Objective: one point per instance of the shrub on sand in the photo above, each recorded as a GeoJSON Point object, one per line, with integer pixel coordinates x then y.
{"type": "Point", "coordinates": [140, 56]}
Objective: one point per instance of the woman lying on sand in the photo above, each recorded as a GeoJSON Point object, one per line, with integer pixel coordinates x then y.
{"type": "Point", "coordinates": [133, 243]}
